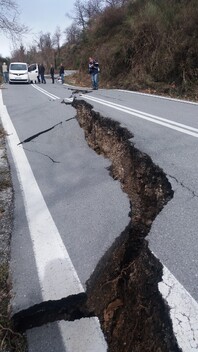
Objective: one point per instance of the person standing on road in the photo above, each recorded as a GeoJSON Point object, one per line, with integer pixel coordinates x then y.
{"type": "Point", "coordinates": [5, 72]}
{"type": "Point", "coordinates": [52, 73]}
{"type": "Point", "coordinates": [61, 72]}
{"type": "Point", "coordinates": [39, 73]}
{"type": "Point", "coordinates": [42, 72]}
{"type": "Point", "coordinates": [94, 72]}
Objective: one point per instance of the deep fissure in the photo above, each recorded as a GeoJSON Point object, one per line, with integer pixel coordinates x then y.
{"type": "Point", "coordinates": [69, 308]}
{"type": "Point", "coordinates": [123, 291]}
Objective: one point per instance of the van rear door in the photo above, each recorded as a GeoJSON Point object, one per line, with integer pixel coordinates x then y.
{"type": "Point", "coordinates": [33, 72]}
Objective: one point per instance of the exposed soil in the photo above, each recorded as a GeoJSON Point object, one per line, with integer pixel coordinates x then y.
{"type": "Point", "coordinates": [123, 291]}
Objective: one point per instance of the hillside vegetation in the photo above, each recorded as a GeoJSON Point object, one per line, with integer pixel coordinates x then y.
{"type": "Point", "coordinates": [141, 45]}
{"type": "Point", "coordinates": [144, 45]}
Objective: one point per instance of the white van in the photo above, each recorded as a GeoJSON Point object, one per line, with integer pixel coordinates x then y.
{"type": "Point", "coordinates": [18, 72]}
{"type": "Point", "coordinates": [33, 73]}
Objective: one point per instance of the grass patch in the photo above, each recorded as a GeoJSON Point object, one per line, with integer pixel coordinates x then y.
{"type": "Point", "coordinates": [9, 339]}
{"type": "Point", "coordinates": [2, 132]}
{"type": "Point", "coordinates": [5, 180]}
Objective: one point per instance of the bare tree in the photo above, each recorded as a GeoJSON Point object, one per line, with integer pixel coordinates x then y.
{"type": "Point", "coordinates": [79, 13]}
{"type": "Point", "coordinates": [45, 45]}
{"type": "Point", "coordinates": [19, 54]}
{"type": "Point", "coordinates": [9, 24]}
{"type": "Point", "coordinates": [84, 11]}
{"type": "Point", "coordinates": [56, 44]}
{"type": "Point", "coordinates": [44, 41]}
{"type": "Point", "coordinates": [56, 38]}
{"type": "Point", "coordinates": [32, 55]}
{"type": "Point", "coordinates": [117, 3]}
{"type": "Point", "coordinates": [93, 8]}
{"type": "Point", "coordinates": [72, 34]}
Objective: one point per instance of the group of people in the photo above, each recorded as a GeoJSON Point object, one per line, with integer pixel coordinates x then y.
{"type": "Point", "coordinates": [61, 73]}
{"type": "Point", "coordinates": [94, 70]}
{"type": "Point", "coordinates": [41, 73]}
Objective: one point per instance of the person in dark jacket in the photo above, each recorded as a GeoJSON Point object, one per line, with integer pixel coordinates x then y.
{"type": "Point", "coordinates": [52, 73]}
{"type": "Point", "coordinates": [94, 72]}
{"type": "Point", "coordinates": [61, 72]}
{"type": "Point", "coordinates": [42, 72]}
{"type": "Point", "coordinates": [39, 73]}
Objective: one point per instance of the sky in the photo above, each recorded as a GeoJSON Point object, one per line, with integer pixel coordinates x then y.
{"type": "Point", "coordinates": [40, 16]}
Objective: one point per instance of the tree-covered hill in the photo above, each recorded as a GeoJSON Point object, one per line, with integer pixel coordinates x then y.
{"type": "Point", "coordinates": [149, 45]}
{"type": "Point", "coordinates": [141, 44]}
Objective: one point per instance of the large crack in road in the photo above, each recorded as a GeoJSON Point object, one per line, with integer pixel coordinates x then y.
{"type": "Point", "coordinates": [123, 291]}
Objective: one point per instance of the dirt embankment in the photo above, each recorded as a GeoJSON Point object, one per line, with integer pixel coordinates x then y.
{"type": "Point", "coordinates": [123, 290]}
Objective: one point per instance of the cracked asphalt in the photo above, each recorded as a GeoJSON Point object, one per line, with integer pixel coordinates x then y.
{"type": "Point", "coordinates": [39, 121]}
{"type": "Point", "coordinates": [173, 237]}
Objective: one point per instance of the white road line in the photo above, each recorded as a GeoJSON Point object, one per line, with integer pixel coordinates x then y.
{"type": "Point", "coordinates": [183, 307]}
{"type": "Point", "coordinates": [158, 96]}
{"type": "Point", "coordinates": [80, 335]}
{"type": "Point", "coordinates": [152, 118]}
{"type": "Point", "coordinates": [69, 99]}
{"type": "Point", "coordinates": [54, 97]}
{"type": "Point", "coordinates": [56, 273]}
{"type": "Point", "coordinates": [183, 311]}
{"type": "Point", "coordinates": [86, 330]}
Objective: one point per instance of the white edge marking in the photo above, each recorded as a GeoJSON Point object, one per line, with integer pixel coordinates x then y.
{"type": "Point", "coordinates": [183, 311]}
{"type": "Point", "coordinates": [69, 99]}
{"type": "Point", "coordinates": [56, 273]}
{"type": "Point", "coordinates": [158, 96]}
{"type": "Point", "coordinates": [45, 92]}
{"type": "Point", "coordinates": [80, 335]}
{"type": "Point", "coordinates": [144, 116]}
{"type": "Point", "coordinates": [183, 308]}
{"type": "Point", "coordinates": [86, 335]}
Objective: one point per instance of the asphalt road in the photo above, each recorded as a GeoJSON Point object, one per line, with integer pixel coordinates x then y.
{"type": "Point", "coordinates": [85, 208]}
{"type": "Point", "coordinates": [75, 183]}
{"type": "Point", "coordinates": [173, 237]}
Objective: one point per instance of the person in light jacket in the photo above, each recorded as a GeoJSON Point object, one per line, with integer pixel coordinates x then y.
{"type": "Point", "coordinates": [5, 72]}
{"type": "Point", "coordinates": [61, 72]}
